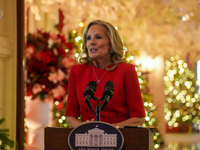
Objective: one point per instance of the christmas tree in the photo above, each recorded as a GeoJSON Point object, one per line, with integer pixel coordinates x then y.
{"type": "Point", "coordinates": [182, 100]}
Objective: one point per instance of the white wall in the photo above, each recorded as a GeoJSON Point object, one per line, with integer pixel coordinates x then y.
{"type": "Point", "coordinates": [8, 65]}
{"type": "Point", "coordinates": [156, 71]}
{"type": "Point", "coordinates": [157, 87]}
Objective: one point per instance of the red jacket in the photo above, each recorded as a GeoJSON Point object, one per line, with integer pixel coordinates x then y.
{"type": "Point", "coordinates": [126, 101]}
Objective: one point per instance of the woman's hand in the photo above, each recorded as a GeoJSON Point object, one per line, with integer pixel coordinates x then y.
{"type": "Point", "coordinates": [130, 122]}
{"type": "Point", "coordinates": [73, 122]}
{"type": "Point", "coordinates": [90, 120]}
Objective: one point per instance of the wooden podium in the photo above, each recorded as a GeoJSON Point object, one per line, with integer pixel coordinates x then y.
{"type": "Point", "coordinates": [134, 138]}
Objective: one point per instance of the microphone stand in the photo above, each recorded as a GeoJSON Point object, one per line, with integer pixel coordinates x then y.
{"type": "Point", "coordinates": [98, 110]}
{"type": "Point", "coordinates": [98, 107]}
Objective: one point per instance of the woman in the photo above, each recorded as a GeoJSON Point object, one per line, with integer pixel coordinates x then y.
{"type": "Point", "coordinates": [102, 60]}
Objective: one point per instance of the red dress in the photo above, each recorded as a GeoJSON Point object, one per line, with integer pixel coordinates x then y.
{"type": "Point", "coordinates": [126, 101]}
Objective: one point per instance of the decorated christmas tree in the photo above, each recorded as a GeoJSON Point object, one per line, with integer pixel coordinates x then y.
{"type": "Point", "coordinates": [182, 100]}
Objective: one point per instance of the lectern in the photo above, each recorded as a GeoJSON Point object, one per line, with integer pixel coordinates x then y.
{"type": "Point", "coordinates": [134, 138]}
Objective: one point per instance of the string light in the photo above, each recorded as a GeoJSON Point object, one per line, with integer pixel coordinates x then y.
{"type": "Point", "coordinates": [56, 102]}
{"type": "Point", "coordinates": [77, 39]}
{"type": "Point", "coordinates": [77, 54]}
{"type": "Point", "coordinates": [74, 31]}
{"type": "Point", "coordinates": [81, 24]}
{"type": "Point", "coordinates": [67, 50]}
{"type": "Point", "coordinates": [63, 117]}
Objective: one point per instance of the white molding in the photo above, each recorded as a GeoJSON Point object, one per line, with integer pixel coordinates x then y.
{"type": "Point", "coordinates": [6, 47]}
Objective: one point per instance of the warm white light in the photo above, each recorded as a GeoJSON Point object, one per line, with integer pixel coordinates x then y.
{"type": "Point", "coordinates": [176, 124]}
{"type": "Point", "coordinates": [147, 118]}
{"type": "Point", "coordinates": [145, 104]}
{"type": "Point", "coordinates": [188, 104]}
{"type": "Point", "coordinates": [63, 117]}
{"type": "Point", "coordinates": [74, 31]}
{"type": "Point", "coordinates": [156, 146]}
{"type": "Point", "coordinates": [60, 121]}
{"type": "Point", "coordinates": [56, 102]}
{"type": "Point", "coordinates": [150, 104]}
{"type": "Point", "coordinates": [185, 65]}
{"type": "Point", "coordinates": [172, 58]}
{"type": "Point", "coordinates": [81, 24]}
{"type": "Point", "coordinates": [77, 39]}
{"type": "Point", "coordinates": [140, 81]}
{"type": "Point", "coordinates": [196, 96]}
{"type": "Point", "coordinates": [166, 78]}
{"type": "Point", "coordinates": [66, 50]}
{"type": "Point", "coordinates": [137, 62]}
{"type": "Point", "coordinates": [193, 100]}
{"type": "Point", "coordinates": [77, 54]}
{"type": "Point", "coordinates": [175, 92]}
{"type": "Point", "coordinates": [131, 57]}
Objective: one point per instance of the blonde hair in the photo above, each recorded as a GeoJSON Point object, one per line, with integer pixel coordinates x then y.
{"type": "Point", "coordinates": [115, 40]}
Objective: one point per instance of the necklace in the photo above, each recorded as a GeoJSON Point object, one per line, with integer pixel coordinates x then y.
{"type": "Point", "coordinates": [98, 80]}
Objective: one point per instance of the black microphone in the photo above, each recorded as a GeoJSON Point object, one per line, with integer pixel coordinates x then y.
{"type": "Point", "coordinates": [89, 92]}
{"type": "Point", "coordinates": [107, 93]}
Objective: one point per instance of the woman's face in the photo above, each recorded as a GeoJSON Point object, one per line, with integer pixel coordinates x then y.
{"type": "Point", "coordinates": [98, 43]}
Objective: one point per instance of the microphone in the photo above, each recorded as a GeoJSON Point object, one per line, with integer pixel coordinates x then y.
{"type": "Point", "coordinates": [107, 93]}
{"type": "Point", "coordinates": [89, 92]}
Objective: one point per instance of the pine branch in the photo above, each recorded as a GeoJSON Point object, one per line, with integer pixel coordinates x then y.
{"type": "Point", "coordinates": [4, 137]}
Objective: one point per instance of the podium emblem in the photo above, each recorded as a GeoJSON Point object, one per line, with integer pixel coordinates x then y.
{"type": "Point", "coordinates": [95, 136]}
